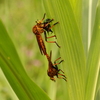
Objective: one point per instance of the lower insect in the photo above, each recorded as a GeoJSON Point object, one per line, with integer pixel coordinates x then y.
{"type": "Point", "coordinates": [53, 69]}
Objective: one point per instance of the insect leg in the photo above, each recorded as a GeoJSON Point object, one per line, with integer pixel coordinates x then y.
{"type": "Point", "coordinates": [52, 36]}
{"type": "Point", "coordinates": [53, 25]}
{"type": "Point", "coordinates": [43, 16]}
{"type": "Point", "coordinates": [62, 75]}
{"type": "Point", "coordinates": [59, 62]}
{"type": "Point", "coordinates": [49, 23]}
{"type": "Point", "coordinates": [50, 55]}
{"type": "Point", "coordinates": [55, 64]}
{"type": "Point", "coordinates": [63, 78]}
{"type": "Point", "coordinates": [61, 70]}
{"type": "Point", "coordinates": [53, 79]}
{"type": "Point", "coordinates": [48, 37]}
{"type": "Point", "coordinates": [53, 42]}
{"type": "Point", "coordinates": [57, 59]}
{"type": "Point", "coordinates": [45, 35]}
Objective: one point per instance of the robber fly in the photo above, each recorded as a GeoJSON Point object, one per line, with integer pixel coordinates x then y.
{"type": "Point", "coordinates": [53, 69]}
{"type": "Point", "coordinates": [40, 27]}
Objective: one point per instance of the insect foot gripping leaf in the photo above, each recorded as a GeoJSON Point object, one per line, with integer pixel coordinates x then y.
{"type": "Point", "coordinates": [53, 69]}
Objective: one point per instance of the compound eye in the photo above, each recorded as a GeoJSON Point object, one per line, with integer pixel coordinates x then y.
{"type": "Point", "coordinates": [36, 21]}
{"type": "Point", "coordinates": [39, 22]}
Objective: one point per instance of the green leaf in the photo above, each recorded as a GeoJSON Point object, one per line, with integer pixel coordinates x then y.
{"type": "Point", "coordinates": [69, 37]}
{"type": "Point", "coordinates": [85, 25]}
{"type": "Point", "coordinates": [97, 93]}
{"type": "Point", "coordinates": [13, 69]}
{"type": "Point", "coordinates": [93, 58]}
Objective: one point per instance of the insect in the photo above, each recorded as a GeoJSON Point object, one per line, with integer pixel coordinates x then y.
{"type": "Point", "coordinates": [53, 69]}
{"type": "Point", "coordinates": [43, 27]}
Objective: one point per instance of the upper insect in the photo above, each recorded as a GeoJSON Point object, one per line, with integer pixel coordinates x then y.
{"type": "Point", "coordinates": [43, 26]}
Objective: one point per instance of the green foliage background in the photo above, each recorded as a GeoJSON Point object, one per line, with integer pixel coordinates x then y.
{"type": "Point", "coordinates": [78, 33]}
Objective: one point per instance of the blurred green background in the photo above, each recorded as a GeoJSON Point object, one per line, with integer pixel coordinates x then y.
{"type": "Point", "coordinates": [19, 17]}
{"type": "Point", "coordinates": [78, 28]}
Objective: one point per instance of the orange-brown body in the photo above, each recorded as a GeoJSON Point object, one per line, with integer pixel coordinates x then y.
{"type": "Point", "coordinates": [37, 30]}
{"type": "Point", "coordinates": [41, 44]}
{"type": "Point", "coordinates": [52, 71]}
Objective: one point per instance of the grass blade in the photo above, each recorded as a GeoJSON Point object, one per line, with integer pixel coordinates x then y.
{"type": "Point", "coordinates": [97, 93]}
{"type": "Point", "coordinates": [93, 59]}
{"type": "Point", "coordinates": [69, 37]}
{"type": "Point", "coordinates": [14, 71]}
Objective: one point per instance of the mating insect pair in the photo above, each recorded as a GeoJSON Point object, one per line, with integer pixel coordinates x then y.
{"type": "Point", "coordinates": [45, 27]}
